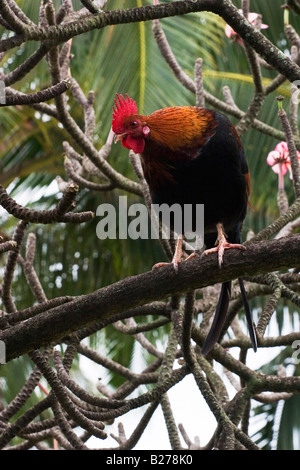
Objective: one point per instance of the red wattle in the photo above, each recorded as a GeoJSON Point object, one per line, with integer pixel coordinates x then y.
{"type": "Point", "coordinates": [137, 145]}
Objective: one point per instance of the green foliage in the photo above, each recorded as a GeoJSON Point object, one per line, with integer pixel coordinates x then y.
{"type": "Point", "coordinates": [71, 259]}
{"type": "Point", "coordinates": [278, 422]}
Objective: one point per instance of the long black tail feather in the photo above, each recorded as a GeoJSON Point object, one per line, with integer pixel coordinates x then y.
{"type": "Point", "coordinates": [219, 318]}
{"type": "Point", "coordinates": [249, 319]}
{"type": "Point", "coordinates": [223, 303]}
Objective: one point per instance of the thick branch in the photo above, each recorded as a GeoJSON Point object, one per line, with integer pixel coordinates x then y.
{"type": "Point", "coordinates": [53, 325]}
{"type": "Point", "coordinates": [14, 98]}
{"type": "Point", "coordinates": [58, 214]}
{"type": "Point", "coordinates": [224, 8]}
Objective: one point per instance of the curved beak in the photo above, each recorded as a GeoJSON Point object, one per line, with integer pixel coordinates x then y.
{"type": "Point", "coordinates": [118, 137]}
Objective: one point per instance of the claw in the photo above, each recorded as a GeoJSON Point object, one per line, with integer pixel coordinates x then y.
{"type": "Point", "coordinates": [176, 258]}
{"type": "Point", "coordinates": [222, 245]}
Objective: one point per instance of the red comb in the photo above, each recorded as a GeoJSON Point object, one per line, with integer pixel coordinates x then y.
{"type": "Point", "coordinates": [123, 107]}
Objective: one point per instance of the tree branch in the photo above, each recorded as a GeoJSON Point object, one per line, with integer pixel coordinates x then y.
{"type": "Point", "coordinates": [55, 324]}
{"type": "Point", "coordinates": [223, 8]}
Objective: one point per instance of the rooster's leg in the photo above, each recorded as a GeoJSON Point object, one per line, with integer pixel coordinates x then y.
{"type": "Point", "coordinates": [222, 245]}
{"type": "Point", "coordinates": [177, 256]}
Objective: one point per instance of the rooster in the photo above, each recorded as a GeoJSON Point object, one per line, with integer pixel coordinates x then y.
{"type": "Point", "coordinates": [193, 155]}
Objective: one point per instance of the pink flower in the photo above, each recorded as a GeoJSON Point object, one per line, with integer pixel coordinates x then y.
{"type": "Point", "coordinates": [279, 160]}
{"type": "Point", "coordinates": [252, 17]}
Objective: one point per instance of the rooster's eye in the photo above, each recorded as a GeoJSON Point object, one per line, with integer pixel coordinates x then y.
{"type": "Point", "coordinates": [133, 124]}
